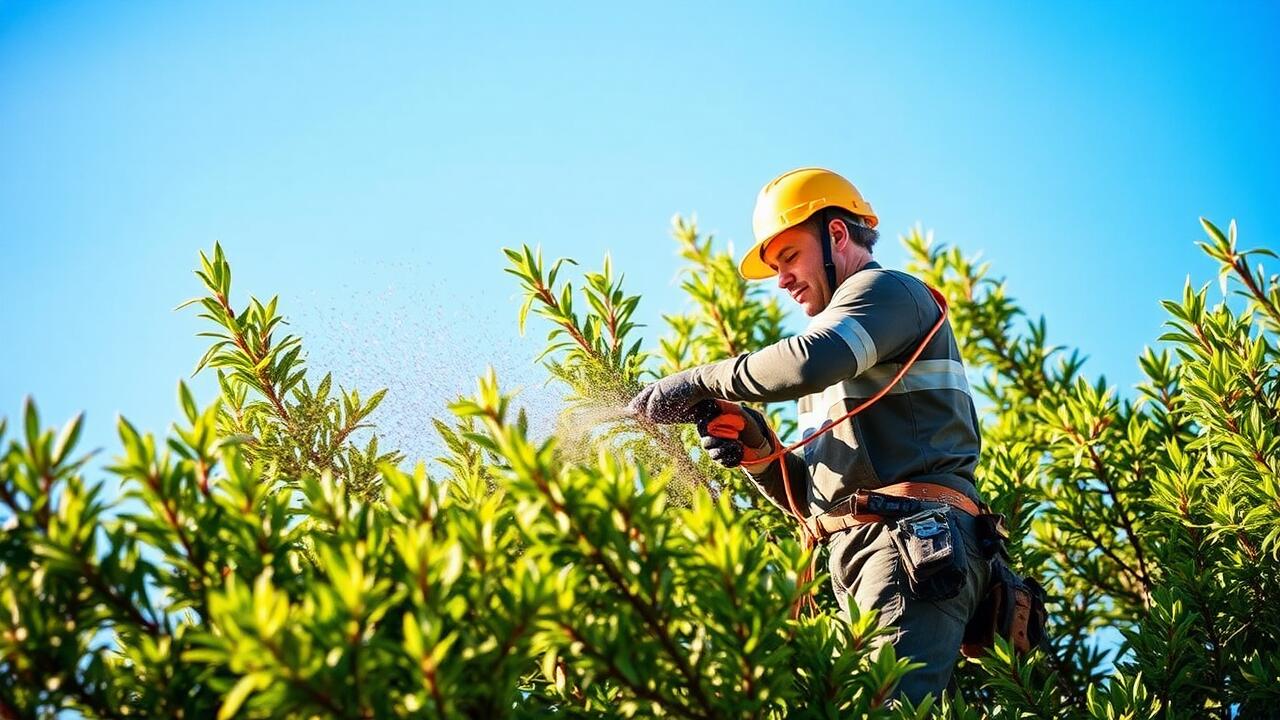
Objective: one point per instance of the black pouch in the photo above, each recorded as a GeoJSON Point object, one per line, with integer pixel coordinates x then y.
{"type": "Point", "coordinates": [1012, 608]}
{"type": "Point", "coordinates": [932, 553]}
{"type": "Point", "coordinates": [991, 533]}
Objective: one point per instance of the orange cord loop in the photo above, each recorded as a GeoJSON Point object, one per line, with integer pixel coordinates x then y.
{"type": "Point", "coordinates": [808, 534]}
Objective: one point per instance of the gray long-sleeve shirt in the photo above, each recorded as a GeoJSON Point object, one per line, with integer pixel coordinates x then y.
{"type": "Point", "coordinates": [925, 429]}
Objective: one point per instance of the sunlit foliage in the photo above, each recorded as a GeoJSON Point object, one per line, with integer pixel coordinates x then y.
{"type": "Point", "coordinates": [258, 563]}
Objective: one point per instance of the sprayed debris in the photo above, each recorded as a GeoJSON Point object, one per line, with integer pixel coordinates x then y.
{"type": "Point", "coordinates": [425, 350]}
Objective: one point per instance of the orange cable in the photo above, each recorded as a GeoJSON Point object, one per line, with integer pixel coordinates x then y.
{"type": "Point", "coordinates": [810, 537]}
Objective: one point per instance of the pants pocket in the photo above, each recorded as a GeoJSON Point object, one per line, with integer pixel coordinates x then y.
{"type": "Point", "coordinates": [866, 573]}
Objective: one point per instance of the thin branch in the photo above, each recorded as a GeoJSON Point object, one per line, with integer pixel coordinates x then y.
{"type": "Point", "coordinates": [268, 388]}
{"type": "Point", "coordinates": [291, 676]}
{"type": "Point", "coordinates": [1242, 269]}
{"type": "Point", "coordinates": [647, 613]}
{"type": "Point", "coordinates": [1126, 522]}
{"type": "Point", "coordinates": [640, 690]}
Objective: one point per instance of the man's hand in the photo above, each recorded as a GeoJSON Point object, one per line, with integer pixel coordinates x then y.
{"type": "Point", "coordinates": [670, 400]}
{"type": "Point", "coordinates": [728, 444]}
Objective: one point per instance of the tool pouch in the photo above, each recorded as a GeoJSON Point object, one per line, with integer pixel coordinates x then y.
{"type": "Point", "coordinates": [1013, 608]}
{"type": "Point", "coordinates": [991, 534]}
{"type": "Point", "coordinates": [932, 553]}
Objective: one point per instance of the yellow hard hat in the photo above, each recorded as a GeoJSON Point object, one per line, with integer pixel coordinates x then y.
{"type": "Point", "coordinates": [790, 199]}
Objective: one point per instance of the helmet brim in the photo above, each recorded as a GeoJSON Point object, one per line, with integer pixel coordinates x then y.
{"type": "Point", "coordinates": [753, 266]}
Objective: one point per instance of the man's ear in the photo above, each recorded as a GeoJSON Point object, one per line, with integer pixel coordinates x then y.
{"type": "Point", "coordinates": [839, 233]}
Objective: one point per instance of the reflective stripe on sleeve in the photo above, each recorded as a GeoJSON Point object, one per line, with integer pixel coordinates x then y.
{"type": "Point", "coordinates": [853, 334]}
{"type": "Point", "coordinates": [924, 375]}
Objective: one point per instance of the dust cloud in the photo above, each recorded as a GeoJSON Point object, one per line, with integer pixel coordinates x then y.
{"type": "Point", "coordinates": [426, 342]}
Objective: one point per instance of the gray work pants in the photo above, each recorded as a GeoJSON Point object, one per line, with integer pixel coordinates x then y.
{"type": "Point", "coordinates": [866, 570]}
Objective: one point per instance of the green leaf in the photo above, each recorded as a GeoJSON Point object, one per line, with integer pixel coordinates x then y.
{"type": "Point", "coordinates": [524, 312]}
{"type": "Point", "coordinates": [208, 356]}
{"type": "Point", "coordinates": [373, 402]}
{"type": "Point", "coordinates": [31, 422]}
{"type": "Point", "coordinates": [234, 699]}
{"type": "Point", "coordinates": [414, 643]}
{"type": "Point", "coordinates": [188, 402]}
{"type": "Point", "coordinates": [67, 439]}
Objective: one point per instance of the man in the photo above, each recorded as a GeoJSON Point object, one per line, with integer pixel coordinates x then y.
{"type": "Point", "coordinates": [916, 448]}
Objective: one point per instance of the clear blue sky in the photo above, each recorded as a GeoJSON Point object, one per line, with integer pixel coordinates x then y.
{"type": "Point", "coordinates": [367, 161]}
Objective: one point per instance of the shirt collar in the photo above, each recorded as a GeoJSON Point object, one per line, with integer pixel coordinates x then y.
{"type": "Point", "coordinates": [871, 265]}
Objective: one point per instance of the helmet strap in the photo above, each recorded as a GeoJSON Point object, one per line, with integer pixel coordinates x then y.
{"type": "Point", "coordinates": [827, 262]}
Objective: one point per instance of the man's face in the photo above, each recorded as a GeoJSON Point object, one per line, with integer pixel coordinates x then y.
{"type": "Point", "coordinates": [796, 256]}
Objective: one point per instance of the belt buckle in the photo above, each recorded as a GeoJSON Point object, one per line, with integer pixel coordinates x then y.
{"type": "Point", "coordinates": [859, 502]}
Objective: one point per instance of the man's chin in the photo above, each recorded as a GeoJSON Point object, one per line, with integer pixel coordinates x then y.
{"type": "Point", "coordinates": [810, 307]}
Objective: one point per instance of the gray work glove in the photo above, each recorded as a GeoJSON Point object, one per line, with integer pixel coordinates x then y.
{"type": "Point", "coordinates": [669, 400]}
{"type": "Point", "coordinates": [733, 434]}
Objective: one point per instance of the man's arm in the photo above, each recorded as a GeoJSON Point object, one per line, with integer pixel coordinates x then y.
{"type": "Point", "coordinates": [875, 314]}
{"type": "Point", "coordinates": [788, 369]}
{"type": "Point", "coordinates": [767, 478]}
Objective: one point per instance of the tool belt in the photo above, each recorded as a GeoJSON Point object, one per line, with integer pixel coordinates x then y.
{"type": "Point", "coordinates": [922, 527]}
{"type": "Point", "coordinates": [889, 503]}
{"type": "Point", "coordinates": [935, 562]}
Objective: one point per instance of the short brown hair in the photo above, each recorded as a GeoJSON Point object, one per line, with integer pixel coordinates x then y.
{"type": "Point", "coordinates": [861, 234]}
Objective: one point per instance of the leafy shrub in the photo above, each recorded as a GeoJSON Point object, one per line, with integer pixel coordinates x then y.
{"type": "Point", "coordinates": [261, 564]}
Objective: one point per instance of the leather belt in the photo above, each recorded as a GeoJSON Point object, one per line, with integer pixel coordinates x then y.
{"type": "Point", "coordinates": [886, 503]}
